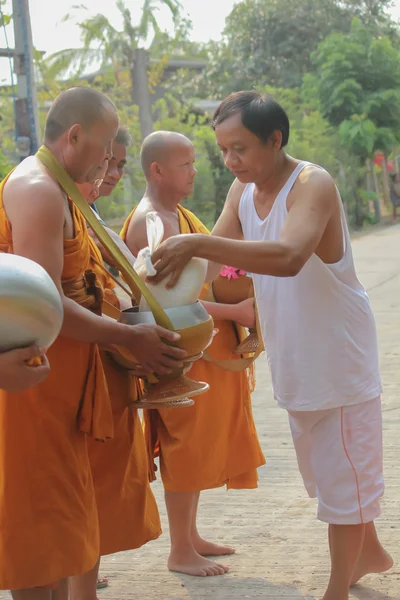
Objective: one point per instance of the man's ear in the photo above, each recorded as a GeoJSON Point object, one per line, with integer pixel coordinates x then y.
{"type": "Point", "coordinates": [155, 170]}
{"type": "Point", "coordinates": [74, 134]}
{"type": "Point", "coordinates": [276, 140]}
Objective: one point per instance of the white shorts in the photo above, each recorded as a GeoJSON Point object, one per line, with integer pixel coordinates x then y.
{"type": "Point", "coordinates": [339, 453]}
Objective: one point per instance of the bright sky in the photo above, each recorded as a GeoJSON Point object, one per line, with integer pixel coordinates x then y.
{"type": "Point", "coordinates": [51, 34]}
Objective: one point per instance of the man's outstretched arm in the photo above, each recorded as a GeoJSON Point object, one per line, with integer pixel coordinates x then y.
{"type": "Point", "coordinates": [302, 232]}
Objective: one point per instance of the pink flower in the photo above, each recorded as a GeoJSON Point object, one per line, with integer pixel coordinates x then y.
{"type": "Point", "coordinates": [232, 272]}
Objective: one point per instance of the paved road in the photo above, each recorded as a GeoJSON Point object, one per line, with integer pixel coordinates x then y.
{"type": "Point", "coordinates": [281, 548]}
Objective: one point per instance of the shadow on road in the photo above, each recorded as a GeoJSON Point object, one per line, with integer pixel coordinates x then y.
{"type": "Point", "coordinates": [236, 588]}
{"type": "Point", "coordinates": [364, 592]}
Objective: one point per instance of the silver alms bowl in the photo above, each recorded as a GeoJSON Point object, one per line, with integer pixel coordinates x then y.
{"type": "Point", "coordinates": [181, 317]}
{"type": "Point", "coordinates": [31, 310]}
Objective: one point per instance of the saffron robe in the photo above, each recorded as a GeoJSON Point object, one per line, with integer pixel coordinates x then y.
{"type": "Point", "coordinates": [214, 442]}
{"type": "Point", "coordinates": [128, 514]}
{"type": "Point", "coordinates": [48, 516]}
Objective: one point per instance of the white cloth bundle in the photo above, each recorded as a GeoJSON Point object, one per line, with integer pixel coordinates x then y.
{"type": "Point", "coordinates": [190, 283]}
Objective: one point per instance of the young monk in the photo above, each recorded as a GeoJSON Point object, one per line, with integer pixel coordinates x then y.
{"type": "Point", "coordinates": [106, 185]}
{"type": "Point", "coordinates": [128, 514]}
{"type": "Point", "coordinates": [214, 442]}
{"type": "Point", "coordinates": [316, 319]}
{"type": "Point", "coordinates": [16, 375]}
{"type": "Point", "coordinates": [49, 521]}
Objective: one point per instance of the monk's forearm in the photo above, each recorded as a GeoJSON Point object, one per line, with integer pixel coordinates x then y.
{"type": "Point", "coordinates": [221, 312]}
{"type": "Point", "coordinates": [82, 325]}
{"type": "Point", "coordinates": [265, 258]}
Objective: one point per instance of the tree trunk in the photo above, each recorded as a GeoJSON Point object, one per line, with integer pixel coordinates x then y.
{"type": "Point", "coordinates": [385, 181]}
{"type": "Point", "coordinates": [140, 91]}
{"type": "Point", "coordinates": [375, 189]}
{"type": "Point", "coordinates": [396, 156]}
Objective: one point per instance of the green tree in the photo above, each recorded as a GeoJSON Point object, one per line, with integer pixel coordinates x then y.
{"type": "Point", "coordinates": [121, 50]}
{"type": "Point", "coordinates": [271, 41]}
{"type": "Point", "coordinates": [358, 85]}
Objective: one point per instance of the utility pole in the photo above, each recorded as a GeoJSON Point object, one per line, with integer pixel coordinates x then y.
{"type": "Point", "coordinates": [26, 107]}
{"type": "Point", "coordinates": [141, 92]}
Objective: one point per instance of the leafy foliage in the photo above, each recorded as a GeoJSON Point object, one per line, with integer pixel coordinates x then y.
{"type": "Point", "coordinates": [333, 64]}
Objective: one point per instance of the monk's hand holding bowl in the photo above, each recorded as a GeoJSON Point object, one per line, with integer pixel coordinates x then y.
{"type": "Point", "coordinates": [152, 347]}
{"type": "Point", "coordinates": [245, 313]}
{"type": "Point", "coordinates": [172, 256]}
{"type": "Point", "coordinates": [15, 373]}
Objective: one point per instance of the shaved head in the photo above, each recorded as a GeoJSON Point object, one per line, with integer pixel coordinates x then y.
{"type": "Point", "coordinates": [77, 106]}
{"type": "Point", "coordinates": [80, 128]}
{"type": "Point", "coordinates": [158, 145]}
{"type": "Point", "coordinates": [168, 162]}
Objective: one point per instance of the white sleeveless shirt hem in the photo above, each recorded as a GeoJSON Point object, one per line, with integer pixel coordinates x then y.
{"type": "Point", "coordinates": [366, 394]}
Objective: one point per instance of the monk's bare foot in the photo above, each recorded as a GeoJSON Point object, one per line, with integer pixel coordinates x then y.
{"type": "Point", "coordinates": [332, 594]}
{"type": "Point", "coordinates": [189, 562]}
{"type": "Point", "coordinates": [377, 563]}
{"type": "Point", "coordinates": [206, 548]}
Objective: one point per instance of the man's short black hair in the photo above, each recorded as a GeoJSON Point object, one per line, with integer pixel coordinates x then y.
{"type": "Point", "coordinates": [261, 115]}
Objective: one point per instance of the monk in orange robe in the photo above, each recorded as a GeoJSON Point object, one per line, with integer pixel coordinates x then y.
{"type": "Point", "coordinates": [49, 521]}
{"type": "Point", "coordinates": [128, 514]}
{"type": "Point", "coordinates": [214, 442]}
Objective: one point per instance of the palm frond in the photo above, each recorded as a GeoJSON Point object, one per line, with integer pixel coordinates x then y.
{"type": "Point", "coordinates": [71, 61]}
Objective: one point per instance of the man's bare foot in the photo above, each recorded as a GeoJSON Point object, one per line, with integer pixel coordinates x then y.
{"type": "Point", "coordinates": [189, 562]}
{"type": "Point", "coordinates": [205, 548]}
{"type": "Point", "coordinates": [378, 563]}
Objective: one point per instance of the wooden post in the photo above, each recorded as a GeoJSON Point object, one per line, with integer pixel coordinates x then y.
{"type": "Point", "coordinates": [141, 91]}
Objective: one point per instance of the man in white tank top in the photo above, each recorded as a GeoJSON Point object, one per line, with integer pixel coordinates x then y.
{"type": "Point", "coordinates": [316, 319]}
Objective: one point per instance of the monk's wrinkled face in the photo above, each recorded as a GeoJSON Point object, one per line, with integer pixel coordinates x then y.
{"type": "Point", "coordinates": [115, 171]}
{"type": "Point", "coordinates": [176, 171]}
{"type": "Point", "coordinates": [89, 149]}
{"type": "Point", "coordinates": [245, 155]}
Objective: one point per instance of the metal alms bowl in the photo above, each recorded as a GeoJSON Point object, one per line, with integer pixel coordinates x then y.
{"type": "Point", "coordinates": [191, 321]}
{"type": "Point", "coordinates": [181, 317]}
{"type": "Point", "coordinates": [31, 310]}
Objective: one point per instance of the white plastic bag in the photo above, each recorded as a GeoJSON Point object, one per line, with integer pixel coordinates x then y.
{"type": "Point", "coordinates": [190, 283]}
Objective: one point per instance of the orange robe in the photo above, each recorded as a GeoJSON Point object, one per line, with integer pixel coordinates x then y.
{"type": "Point", "coordinates": [128, 514]}
{"type": "Point", "coordinates": [48, 516]}
{"type": "Point", "coordinates": [214, 442]}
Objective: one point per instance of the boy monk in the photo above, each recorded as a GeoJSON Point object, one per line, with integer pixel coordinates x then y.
{"type": "Point", "coordinates": [316, 318]}
{"type": "Point", "coordinates": [214, 442]}
{"type": "Point", "coordinates": [128, 514]}
{"type": "Point", "coordinates": [49, 521]}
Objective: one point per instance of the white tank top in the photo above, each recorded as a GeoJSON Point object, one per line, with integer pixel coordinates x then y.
{"type": "Point", "coordinates": [318, 327]}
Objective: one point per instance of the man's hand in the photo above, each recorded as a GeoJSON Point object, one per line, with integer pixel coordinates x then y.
{"type": "Point", "coordinates": [172, 256]}
{"type": "Point", "coordinates": [149, 344]}
{"type": "Point", "coordinates": [16, 375]}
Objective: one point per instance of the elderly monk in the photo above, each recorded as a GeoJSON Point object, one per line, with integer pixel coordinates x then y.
{"type": "Point", "coordinates": [128, 514]}
{"type": "Point", "coordinates": [16, 375]}
{"type": "Point", "coordinates": [214, 442]}
{"type": "Point", "coordinates": [49, 521]}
